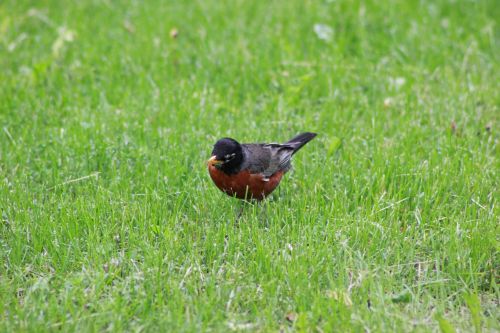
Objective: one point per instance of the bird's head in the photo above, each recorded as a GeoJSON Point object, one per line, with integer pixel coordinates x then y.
{"type": "Point", "coordinates": [227, 155]}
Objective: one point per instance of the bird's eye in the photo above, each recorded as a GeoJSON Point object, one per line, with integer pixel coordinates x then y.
{"type": "Point", "coordinates": [229, 157]}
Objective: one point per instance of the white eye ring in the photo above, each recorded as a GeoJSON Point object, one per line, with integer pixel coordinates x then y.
{"type": "Point", "coordinates": [229, 157]}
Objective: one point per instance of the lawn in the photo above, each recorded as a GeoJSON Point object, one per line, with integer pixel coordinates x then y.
{"type": "Point", "coordinates": [389, 220]}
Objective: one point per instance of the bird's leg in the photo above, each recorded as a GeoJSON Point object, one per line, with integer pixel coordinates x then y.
{"type": "Point", "coordinates": [242, 205]}
{"type": "Point", "coordinates": [239, 212]}
{"type": "Point", "coordinates": [263, 212]}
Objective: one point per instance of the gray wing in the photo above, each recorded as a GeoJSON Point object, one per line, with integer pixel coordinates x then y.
{"type": "Point", "coordinates": [267, 158]}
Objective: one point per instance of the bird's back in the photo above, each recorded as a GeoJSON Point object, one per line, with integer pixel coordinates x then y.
{"type": "Point", "coordinates": [266, 159]}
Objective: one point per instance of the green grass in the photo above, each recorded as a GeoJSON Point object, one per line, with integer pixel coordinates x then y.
{"type": "Point", "coordinates": [110, 222]}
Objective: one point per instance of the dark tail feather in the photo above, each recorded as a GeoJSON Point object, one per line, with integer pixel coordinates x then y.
{"type": "Point", "coordinates": [300, 140]}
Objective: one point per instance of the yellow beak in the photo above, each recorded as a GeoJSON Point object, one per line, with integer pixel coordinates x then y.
{"type": "Point", "coordinates": [213, 161]}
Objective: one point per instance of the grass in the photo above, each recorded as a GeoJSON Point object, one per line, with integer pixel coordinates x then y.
{"type": "Point", "coordinates": [110, 222]}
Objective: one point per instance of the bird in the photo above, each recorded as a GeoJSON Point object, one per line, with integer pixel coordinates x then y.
{"type": "Point", "coordinates": [251, 171]}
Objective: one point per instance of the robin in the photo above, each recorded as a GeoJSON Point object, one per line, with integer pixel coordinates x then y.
{"type": "Point", "coordinates": [252, 170]}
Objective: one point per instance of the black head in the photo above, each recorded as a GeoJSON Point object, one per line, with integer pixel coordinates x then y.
{"type": "Point", "coordinates": [227, 155]}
